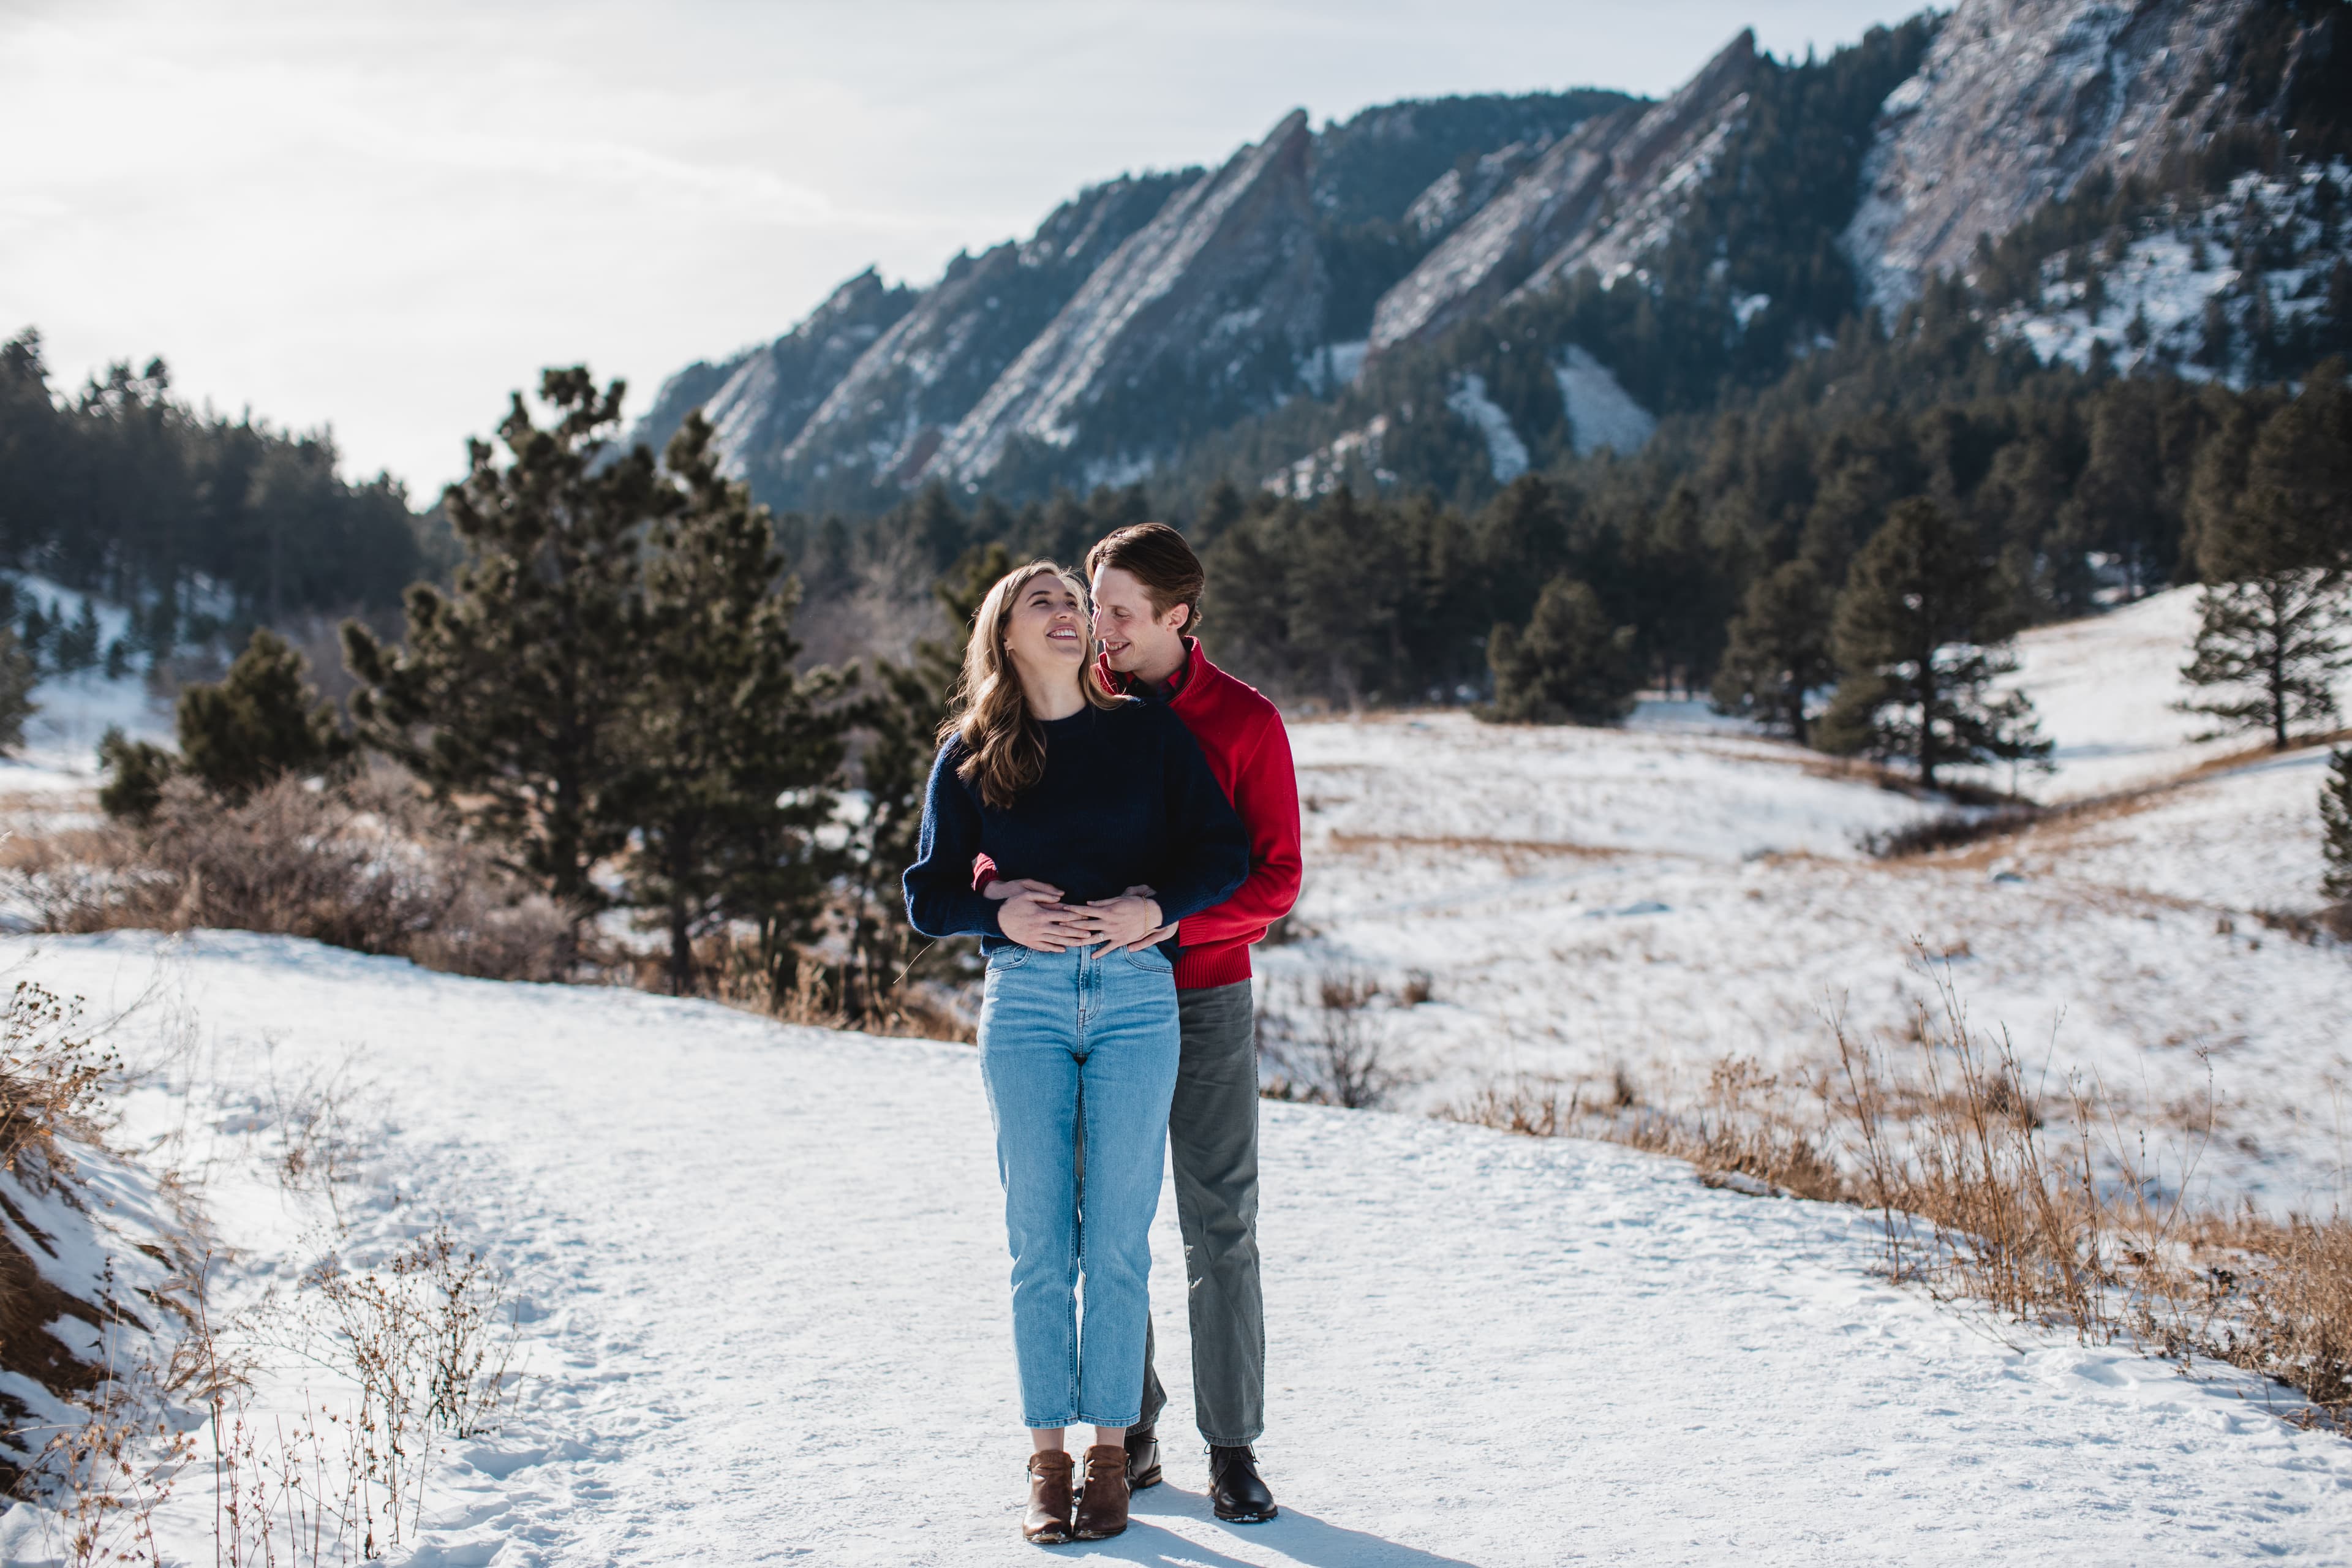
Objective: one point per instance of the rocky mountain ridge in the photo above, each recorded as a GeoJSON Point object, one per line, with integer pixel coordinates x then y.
{"type": "Point", "coordinates": [1308, 307]}
{"type": "Point", "coordinates": [1598, 197]}
{"type": "Point", "coordinates": [2017, 102]}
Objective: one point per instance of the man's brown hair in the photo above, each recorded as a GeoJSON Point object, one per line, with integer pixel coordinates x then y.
{"type": "Point", "coordinates": [1155, 555]}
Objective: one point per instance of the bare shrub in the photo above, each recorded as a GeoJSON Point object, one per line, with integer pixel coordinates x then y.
{"type": "Point", "coordinates": [298, 1486]}
{"type": "Point", "coordinates": [1338, 1054]}
{"type": "Point", "coordinates": [52, 1082]}
{"type": "Point", "coordinates": [374, 865]}
{"type": "Point", "coordinates": [109, 1475]}
{"type": "Point", "coordinates": [1947, 830]}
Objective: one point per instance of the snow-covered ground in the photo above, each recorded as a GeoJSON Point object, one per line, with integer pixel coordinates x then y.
{"type": "Point", "coordinates": [762, 1278]}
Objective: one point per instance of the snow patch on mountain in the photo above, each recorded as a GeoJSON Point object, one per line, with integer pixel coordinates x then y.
{"type": "Point", "coordinates": [1600, 412]}
{"type": "Point", "coordinates": [759, 399]}
{"type": "Point", "coordinates": [1506, 455]}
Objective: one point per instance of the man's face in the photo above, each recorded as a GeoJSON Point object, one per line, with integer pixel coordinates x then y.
{"type": "Point", "coordinates": [1132, 638]}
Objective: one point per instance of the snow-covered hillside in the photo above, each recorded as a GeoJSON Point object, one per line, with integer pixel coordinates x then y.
{"type": "Point", "coordinates": [2190, 294]}
{"type": "Point", "coordinates": [2108, 689]}
{"type": "Point", "coordinates": [71, 711]}
{"type": "Point", "coordinates": [1579, 901]}
{"type": "Point", "coordinates": [761, 1276]}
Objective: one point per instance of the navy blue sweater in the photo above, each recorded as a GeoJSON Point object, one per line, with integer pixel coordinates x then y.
{"type": "Point", "coordinates": [1127, 798]}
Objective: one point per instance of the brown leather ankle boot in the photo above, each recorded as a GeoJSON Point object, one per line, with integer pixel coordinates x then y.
{"type": "Point", "coordinates": [1048, 1521]}
{"type": "Point", "coordinates": [1102, 1496]}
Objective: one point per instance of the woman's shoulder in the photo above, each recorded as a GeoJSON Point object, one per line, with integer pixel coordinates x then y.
{"type": "Point", "coordinates": [1134, 716]}
{"type": "Point", "coordinates": [950, 754]}
{"type": "Point", "coordinates": [1153, 724]}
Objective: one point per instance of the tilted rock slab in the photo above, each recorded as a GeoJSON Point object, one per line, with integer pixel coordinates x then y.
{"type": "Point", "coordinates": [2015, 103]}
{"type": "Point", "coordinates": [1221, 293]}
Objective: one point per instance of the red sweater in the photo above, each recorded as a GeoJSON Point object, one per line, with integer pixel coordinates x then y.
{"type": "Point", "coordinates": [1241, 735]}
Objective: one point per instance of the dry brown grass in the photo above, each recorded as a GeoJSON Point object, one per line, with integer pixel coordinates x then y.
{"type": "Point", "coordinates": [375, 868]}
{"type": "Point", "coordinates": [1750, 1129]}
{"type": "Point", "coordinates": [2048, 1209]}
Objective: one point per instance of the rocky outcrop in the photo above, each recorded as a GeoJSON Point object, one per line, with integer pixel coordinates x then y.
{"type": "Point", "coordinates": [1600, 196]}
{"type": "Point", "coordinates": [884, 419]}
{"type": "Point", "coordinates": [1459, 192]}
{"type": "Point", "coordinates": [760, 398]}
{"type": "Point", "coordinates": [2016, 103]}
{"type": "Point", "coordinates": [1208, 309]}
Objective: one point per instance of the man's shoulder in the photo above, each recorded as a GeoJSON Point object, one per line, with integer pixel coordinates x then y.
{"type": "Point", "coordinates": [1235, 700]}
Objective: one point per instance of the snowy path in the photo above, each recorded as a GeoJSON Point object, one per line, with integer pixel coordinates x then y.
{"type": "Point", "coordinates": [767, 1282]}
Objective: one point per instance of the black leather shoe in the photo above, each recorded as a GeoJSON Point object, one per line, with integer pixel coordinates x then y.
{"type": "Point", "coordinates": [1235, 1491]}
{"type": "Point", "coordinates": [1142, 1459]}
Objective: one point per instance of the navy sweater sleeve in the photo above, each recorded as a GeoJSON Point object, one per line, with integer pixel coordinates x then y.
{"type": "Point", "coordinates": [940, 898]}
{"type": "Point", "coordinates": [1208, 848]}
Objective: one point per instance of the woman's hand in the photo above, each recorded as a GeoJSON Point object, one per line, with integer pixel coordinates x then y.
{"type": "Point", "coordinates": [1129, 920]}
{"type": "Point", "coordinates": [1034, 916]}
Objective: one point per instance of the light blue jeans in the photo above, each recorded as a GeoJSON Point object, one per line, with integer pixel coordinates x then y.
{"type": "Point", "coordinates": [1074, 1048]}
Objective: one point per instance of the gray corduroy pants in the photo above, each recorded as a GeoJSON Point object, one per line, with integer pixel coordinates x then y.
{"type": "Point", "coordinates": [1213, 1145]}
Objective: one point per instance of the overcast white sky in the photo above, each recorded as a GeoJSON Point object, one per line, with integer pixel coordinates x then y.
{"type": "Point", "coordinates": [381, 216]}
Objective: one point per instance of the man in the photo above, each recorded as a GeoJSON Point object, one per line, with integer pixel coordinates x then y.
{"type": "Point", "coordinates": [1146, 587]}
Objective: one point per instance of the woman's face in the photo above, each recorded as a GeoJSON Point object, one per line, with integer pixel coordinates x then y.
{"type": "Point", "coordinates": [1047, 634]}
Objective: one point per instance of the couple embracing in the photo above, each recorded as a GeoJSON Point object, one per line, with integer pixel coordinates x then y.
{"type": "Point", "coordinates": [1117, 819]}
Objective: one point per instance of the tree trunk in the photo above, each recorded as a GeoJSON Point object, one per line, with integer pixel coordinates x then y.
{"type": "Point", "coordinates": [2278, 682]}
{"type": "Point", "coordinates": [681, 931]}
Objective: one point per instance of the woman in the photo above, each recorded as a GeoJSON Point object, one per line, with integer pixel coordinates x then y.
{"type": "Point", "coordinates": [1103, 808]}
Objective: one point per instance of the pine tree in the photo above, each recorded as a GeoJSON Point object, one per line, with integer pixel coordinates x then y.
{"type": "Point", "coordinates": [1346, 572]}
{"type": "Point", "coordinates": [732, 754]}
{"type": "Point", "coordinates": [76, 645]}
{"type": "Point", "coordinates": [1778, 649]}
{"type": "Point", "coordinates": [262, 722]}
{"type": "Point", "coordinates": [511, 695]}
{"type": "Point", "coordinates": [2296, 507]}
{"type": "Point", "coordinates": [2335, 828]}
{"type": "Point", "coordinates": [2274, 549]}
{"type": "Point", "coordinates": [2276, 640]}
{"type": "Point", "coordinates": [1571, 664]}
{"type": "Point", "coordinates": [137, 771]}
{"type": "Point", "coordinates": [34, 632]}
{"type": "Point", "coordinates": [17, 675]}
{"type": "Point", "coordinates": [902, 721]}
{"type": "Point", "coordinates": [1921, 632]}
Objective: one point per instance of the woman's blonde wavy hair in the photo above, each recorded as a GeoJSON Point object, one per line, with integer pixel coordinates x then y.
{"type": "Point", "coordinates": [1004, 747]}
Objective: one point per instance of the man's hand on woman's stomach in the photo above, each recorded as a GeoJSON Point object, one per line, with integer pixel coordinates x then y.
{"type": "Point", "coordinates": [1034, 916]}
